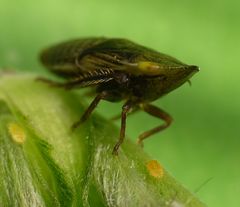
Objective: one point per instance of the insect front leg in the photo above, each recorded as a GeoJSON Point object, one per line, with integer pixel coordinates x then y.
{"type": "Point", "coordinates": [90, 109]}
{"type": "Point", "coordinates": [125, 109]}
{"type": "Point", "coordinates": [156, 112]}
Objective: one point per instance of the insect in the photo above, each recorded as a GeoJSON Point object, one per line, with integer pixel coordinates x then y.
{"type": "Point", "coordinates": [116, 70]}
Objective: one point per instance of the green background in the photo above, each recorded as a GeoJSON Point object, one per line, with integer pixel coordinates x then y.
{"type": "Point", "coordinates": [203, 141]}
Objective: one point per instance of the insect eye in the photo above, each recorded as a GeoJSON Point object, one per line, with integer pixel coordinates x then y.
{"type": "Point", "coordinates": [121, 77]}
{"type": "Point", "coordinates": [163, 77]}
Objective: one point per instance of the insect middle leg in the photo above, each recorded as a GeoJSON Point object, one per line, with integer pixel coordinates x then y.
{"type": "Point", "coordinates": [131, 112]}
{"type": "Point", "coordinates": [125, 109]}
{"type": "Point", "coordinates": [156, 112]}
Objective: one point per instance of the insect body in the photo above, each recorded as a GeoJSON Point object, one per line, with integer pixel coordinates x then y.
{"type": "Point", "coordinates": [118, 69]}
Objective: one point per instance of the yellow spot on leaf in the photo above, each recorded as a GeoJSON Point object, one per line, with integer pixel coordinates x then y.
{"type": "Point", "coordinates": [17, 133]}
{"type": "Point", "coordinates": [155, 169]}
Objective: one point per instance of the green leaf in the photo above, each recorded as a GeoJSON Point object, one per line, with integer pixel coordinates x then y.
{"type": "Point", "coordinates": [44, 163]}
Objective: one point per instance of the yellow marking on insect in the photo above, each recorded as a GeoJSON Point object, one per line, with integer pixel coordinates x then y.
{"type": "Point", "coordinates": [149, 68]}
{"type": "Point", "coordinates": [17, 133]}
{"type": "Point", "coordinates": [155, 169]}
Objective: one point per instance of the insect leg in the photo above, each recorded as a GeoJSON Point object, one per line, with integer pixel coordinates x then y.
{"type": "Point", "coordinates": [90, 109]}
{"type": "Point", "coordinates": [132, 111]}
{"type": "Point", "coordinates": [65, 85]}
{"type": "Point", "coordinates": [156, 112]}
{"type": "Point", "coordinates": [125, 109]}
{"type": "Point", "coordinates": [50, 82]}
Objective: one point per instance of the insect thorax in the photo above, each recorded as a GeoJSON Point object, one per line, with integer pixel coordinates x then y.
{"type": "Point", "coordinates": [125, 86]}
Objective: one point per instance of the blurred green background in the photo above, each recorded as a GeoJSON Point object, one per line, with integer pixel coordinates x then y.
{"type": "Point", "coordinates": [203, 141]}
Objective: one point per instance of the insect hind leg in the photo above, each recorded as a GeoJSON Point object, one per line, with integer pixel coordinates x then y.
{"type": "Point", "coordinates": [66, 85]}
{"type": "Point", "coordinates": [158, 113]}
{"type": "Point", "coordinates": [50, 82]}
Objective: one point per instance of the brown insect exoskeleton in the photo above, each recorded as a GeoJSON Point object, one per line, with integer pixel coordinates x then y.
{"type": "Point", "coordinates": [118, 69]}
